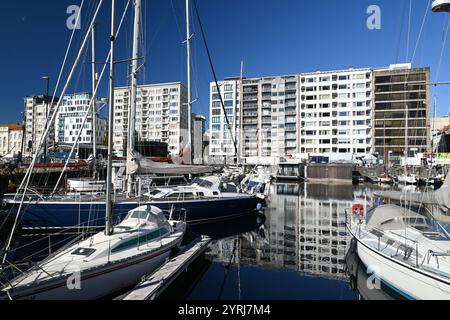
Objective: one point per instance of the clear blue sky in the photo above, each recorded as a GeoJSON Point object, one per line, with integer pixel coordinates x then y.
{"type": "Point", "coordinates": [272, 37]}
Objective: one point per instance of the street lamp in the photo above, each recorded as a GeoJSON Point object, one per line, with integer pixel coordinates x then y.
{"type": "Point", "coordinates": [46, 78]}
{"type": "Point", "coordinates": [441, 6]}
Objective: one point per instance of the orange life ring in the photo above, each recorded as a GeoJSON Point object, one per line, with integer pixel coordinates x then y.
{"type": "Point", "coordinates": [358, 208]}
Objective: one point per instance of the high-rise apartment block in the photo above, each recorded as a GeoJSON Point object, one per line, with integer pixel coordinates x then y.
{"type": "Point", "coordinates": [330, 112]}
{"type": "Point", "coordinates": [38, 110]}
{"type": "Point", "coordinates": [161, 116]}
{"type": "Point", "coordinates": [70, 118]}
{"type": "Point", "coordinates": [402, 117]}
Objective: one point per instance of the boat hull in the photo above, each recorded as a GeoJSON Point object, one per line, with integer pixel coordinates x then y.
{"type": "Point", "coordinates": [48, 215]}
{"type": "Point", "coordinates": [99, 283]}
{"type": "Point", "coordinates": [401, 278]}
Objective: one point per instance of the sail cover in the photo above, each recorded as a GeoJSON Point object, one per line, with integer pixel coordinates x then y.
{"type": "Point", "coordinates": [440, 197]}
{"type": "Point", "coordinates": [138, 164]}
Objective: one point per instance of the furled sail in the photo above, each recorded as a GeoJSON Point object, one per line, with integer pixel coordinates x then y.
{"type": "Point", "coordinates": [138, 164]}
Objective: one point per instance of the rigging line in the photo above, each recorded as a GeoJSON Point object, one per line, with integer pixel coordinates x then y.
{"type": "Point", "coordinates": [176, 20]}
{"type": "Point", "coordinates": [409, 30]}
{"type": "Point", "coordinates": [58, 81]}
{"type": "Point", "coordinates": [91, 103]}
{"type": "Point", "coordinates": [397, 55]}
{"type": "Point", "coordinates": [444, 42]}
{"type": "Point", "coordinates": [27, 177]}
{"type": "Point", "coordinates": [215, 77]}
{"type": "Point", "coordinates": [421, 29]}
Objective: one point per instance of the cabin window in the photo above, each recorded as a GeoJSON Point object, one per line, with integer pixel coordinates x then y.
{"type": "Point", "coordinates": [155, 192]}
{"type": "Point", "coordinates": [151, 236]}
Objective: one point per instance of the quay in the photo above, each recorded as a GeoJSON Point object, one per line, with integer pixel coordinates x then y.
{"type": "Point", "coordinates": [152, 287]}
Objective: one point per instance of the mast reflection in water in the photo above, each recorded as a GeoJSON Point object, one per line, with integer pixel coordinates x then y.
{"type": "Point", "coordinates": [299, 252]}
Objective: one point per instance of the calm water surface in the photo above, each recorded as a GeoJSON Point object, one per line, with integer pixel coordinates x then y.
{"type": "Point", "coordinates": [295, 251]}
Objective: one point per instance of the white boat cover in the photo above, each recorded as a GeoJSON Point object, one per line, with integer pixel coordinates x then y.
{"type": "Point", "coordinates": [390, 217]}
{"type": "Point", "coordinates": [140, 165]}
{"type": "Point", "coordinates": [440, 197]}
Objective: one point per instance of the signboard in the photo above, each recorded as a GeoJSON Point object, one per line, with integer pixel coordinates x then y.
{"type": "Point", "coordinates": [442, 158]}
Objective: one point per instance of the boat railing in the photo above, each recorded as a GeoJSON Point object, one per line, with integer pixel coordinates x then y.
{"type": "Point", "coordinates": [432, 254]}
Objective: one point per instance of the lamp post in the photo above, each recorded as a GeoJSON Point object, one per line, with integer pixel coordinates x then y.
{"type": "Point", "coordinates": [46, 78]}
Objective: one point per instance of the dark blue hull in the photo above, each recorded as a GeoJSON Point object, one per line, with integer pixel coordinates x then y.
{"type": "Point", "coordinates": [85, 214]}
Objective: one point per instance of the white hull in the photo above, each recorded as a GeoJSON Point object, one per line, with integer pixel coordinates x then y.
{"type": "Point", "coordinates": [402, 278]}
{"type": "Point", "coordinates": [103, 282]}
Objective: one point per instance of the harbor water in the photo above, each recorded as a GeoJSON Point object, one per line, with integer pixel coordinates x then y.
{"type": "Point", "coordinates": [296, 250]}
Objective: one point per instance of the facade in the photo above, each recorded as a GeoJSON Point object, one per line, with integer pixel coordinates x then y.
{"type": "Point", "coordinates": [402, 111]}
{"type": "Point", "coordinates": [70, 119]}
{"type": "Point", "coordinates": [440, 124]}
{"type": "Point", "coordinates": [36, 110]}
{"type": "Point", "coordinates": [221, 136]}
{"type": "Point", "coordinates": [11, 139]}
{"type": "Point", "coordinates": [199, 129]}
{"type": "Point", "coordinates": [336, 112]}
{"type": "Point", "coordinates": [332, 112]}
{"type": "Point", "coordinates": [161, 116]}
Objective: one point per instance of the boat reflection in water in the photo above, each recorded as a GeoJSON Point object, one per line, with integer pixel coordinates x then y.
{"type": "Point", "coordinates": [365, 283]}
{"type": "Point", "coordinates": [299, 253]}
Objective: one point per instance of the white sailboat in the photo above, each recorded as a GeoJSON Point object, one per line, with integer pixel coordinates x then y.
{"type": "Point", "coordinates": [409, 253]}
{"type": "Point", "coordinates": [103, 264]}
{"type": "Point", "coordinates": [108, 261]}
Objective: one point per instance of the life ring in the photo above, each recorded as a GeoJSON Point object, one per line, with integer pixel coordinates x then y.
{"type": "Point", "coordinates": [358, 208]}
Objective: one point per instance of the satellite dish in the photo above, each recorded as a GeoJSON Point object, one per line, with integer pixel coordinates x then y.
{"type": "Point", "coordinates": [441, 6]}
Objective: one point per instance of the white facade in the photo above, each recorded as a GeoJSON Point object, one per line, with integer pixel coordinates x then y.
{"type": "Point", "coordinates": [36, 112]}
{"type": "Point", "coordinates": [70, 118]}
{"type": "Point", "coordinates": [10, 139]}
{"type": "Point", "coordinates": [336, 112]}
{"type": "Point", "coordinates": [294, 115]}
{"type": "Point", "coordinates": [161, 116]}
{"type": "Point", "coordinates": [221, 137]}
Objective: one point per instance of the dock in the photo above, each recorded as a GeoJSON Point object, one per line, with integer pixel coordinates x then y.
{"type": "Point", "coordinates": [152, 287]}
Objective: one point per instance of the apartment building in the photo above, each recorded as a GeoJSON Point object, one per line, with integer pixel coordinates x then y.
{"type": "Point", "coordinates": [199, 129]}
{"type": "Point", "coordinates": [324, 112]}
{"type": "Point", "coordinates": [11, 136]}
{"type": "Point", "coordinates": [402, 111]}
{"type": "Point", "coordinates": [222, 134]}
{"type": "Point", "coordinates": [161, 116]}
{"type": "Point", "coordinates": [37, 108]}
{"type": "Point", "coordinates": [70, 118]}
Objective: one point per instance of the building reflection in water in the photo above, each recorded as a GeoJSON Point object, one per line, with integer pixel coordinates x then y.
{"type": "Point", "coordinates": [304, 231]}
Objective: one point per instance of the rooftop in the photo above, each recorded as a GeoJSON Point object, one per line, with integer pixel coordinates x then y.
{"type": "Point", "coordinates": [16, 126]}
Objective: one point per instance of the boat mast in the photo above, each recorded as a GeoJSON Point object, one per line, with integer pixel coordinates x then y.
{"type": "Point", "coordinates": [406, 139]}
{"type": "Point", "coordinates": [109, 185]}
{"type": "Point", "coordinates": [189, 93]}
{"type": "Point", "coordinates": [133, 98]}
{"type": "Point", "coordinates": [94, 109]}
{"type": "Point", "coordinates": [238, 128]}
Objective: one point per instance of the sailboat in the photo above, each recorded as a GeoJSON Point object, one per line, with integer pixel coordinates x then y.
{"type": "Point", "coordinates": [62, 212]}
{"type": "Point", "coordinates": [409, 252]}
{"type": "Point", "coordinates": [108, 261]}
